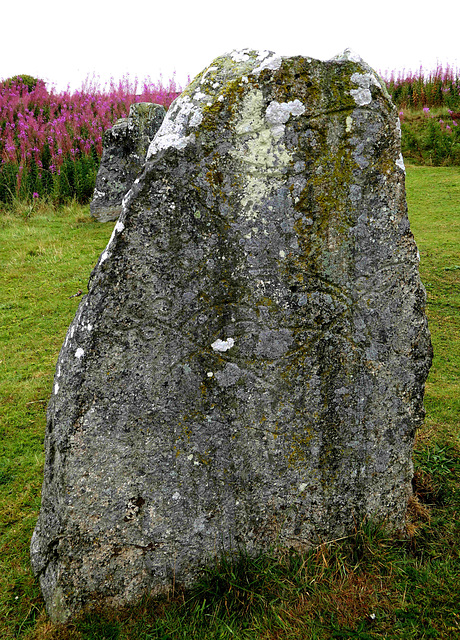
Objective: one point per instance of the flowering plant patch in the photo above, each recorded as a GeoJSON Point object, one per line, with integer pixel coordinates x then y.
{"type": "Point", "coordinates": [438, 88]}
{"type": "Point", "coordinates": [51, 142]}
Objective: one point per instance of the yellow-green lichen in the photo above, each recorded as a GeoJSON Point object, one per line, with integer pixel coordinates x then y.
{"type": "Point", "coordinates": [300, 453]}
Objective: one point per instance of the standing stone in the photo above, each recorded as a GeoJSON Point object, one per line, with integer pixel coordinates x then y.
{"type": "Point", "coordinates": [248, 366]}
{"type": "Point", "coordinates": [124, 149]}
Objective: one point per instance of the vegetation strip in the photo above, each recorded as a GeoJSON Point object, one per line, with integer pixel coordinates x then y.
{"type": "Point", "coordinates": [51, 142]}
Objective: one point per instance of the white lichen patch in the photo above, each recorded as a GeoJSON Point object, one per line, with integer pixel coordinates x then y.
{"type": "Point", "coordinates": [223, 345]}
{"type": "Point", "coordinates": [363, 95]}
{"type": "Point", "coordinates": [240, 56]}
{"type": "Point", "coordinates": [79, 353]}
{"type": "Point", "coordinates": [56, 388]}
{"type": "Point", "coordinates": [125, 201]}
{"type": "Point", "coordinates": [259, 147]}
{"type": "Point", "coordinates": [208, 70]}
{"type": "Point", "coordinates": [183, 114]}
{"type": "Point", "coordinates": [278, 113]}
{"type": "Point", "coordinates": [118, 228]}
{"type": "Point", "coordinates": [198, 95]}
{"type": "Point", "coordinates": [348, 123]}
{"type": "Point", "coordinates": [273, 62]}
{"type": "Point", "coordinates": [261, 55]}
{"type": "Point", "coordinates": [400, 163]}
{"type": "Point", "coordinates": [348, 55]}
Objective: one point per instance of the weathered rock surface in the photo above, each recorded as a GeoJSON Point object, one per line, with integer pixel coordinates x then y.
{"type": "Point", "coordinates": [124, 149]}
{"type": "Point", "coordinates": [248, 366]}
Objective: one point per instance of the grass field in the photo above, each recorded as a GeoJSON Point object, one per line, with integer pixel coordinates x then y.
{"type": "Point", "coordinates": [368, 586]}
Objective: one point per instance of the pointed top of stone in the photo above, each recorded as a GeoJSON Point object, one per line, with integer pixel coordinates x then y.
{"type": "Point", "coordinates": [125, 146]}
{"type": "Point", "coordinates": [348, 55]}
{"type": "Point", "coordinates": [233, 71]}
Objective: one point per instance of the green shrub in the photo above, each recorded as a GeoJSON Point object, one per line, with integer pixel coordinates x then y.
{"type": "Point", "coordinates": [25, 81]}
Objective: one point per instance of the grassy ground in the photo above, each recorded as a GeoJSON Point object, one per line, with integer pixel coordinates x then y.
{"type": "Point", "coordinates": [45, 257]}
{"type": "Point", "coordinates": [431, 138]}
{"type": "Point", "coordinates": [368, 586]}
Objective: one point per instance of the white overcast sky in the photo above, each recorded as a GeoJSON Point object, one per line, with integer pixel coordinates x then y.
{"type": "Point", "coordinates": [63, 43]}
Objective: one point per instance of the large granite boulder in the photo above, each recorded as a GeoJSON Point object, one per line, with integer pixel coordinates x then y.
{"type": "Point", "coordinates": [248, 366]}
{"type": "Point", "coordinates": [123, 155]}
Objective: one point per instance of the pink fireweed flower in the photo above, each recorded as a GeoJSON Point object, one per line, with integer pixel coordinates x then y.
{"type": "Point", "coordinates": [426, 110]}
{"type": "Point", "coordinates": [68, 124]}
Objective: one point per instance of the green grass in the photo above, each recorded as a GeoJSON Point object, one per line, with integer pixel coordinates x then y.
{"type": "Point", "coordinates": [367, 586]}
{"type": "Point", "coordinates": [434, 207]}
{"type": "Point", "coordinates": [430, 139]}
{"type": "Point", "coordinates": [45, 257]}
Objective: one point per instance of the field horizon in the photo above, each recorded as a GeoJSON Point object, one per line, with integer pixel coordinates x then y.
{"type": "Point", "coordinates": [51, 142]}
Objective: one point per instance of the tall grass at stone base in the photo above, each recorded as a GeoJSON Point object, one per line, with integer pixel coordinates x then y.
{"type": "Point", "coordinates": [51, 142]}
